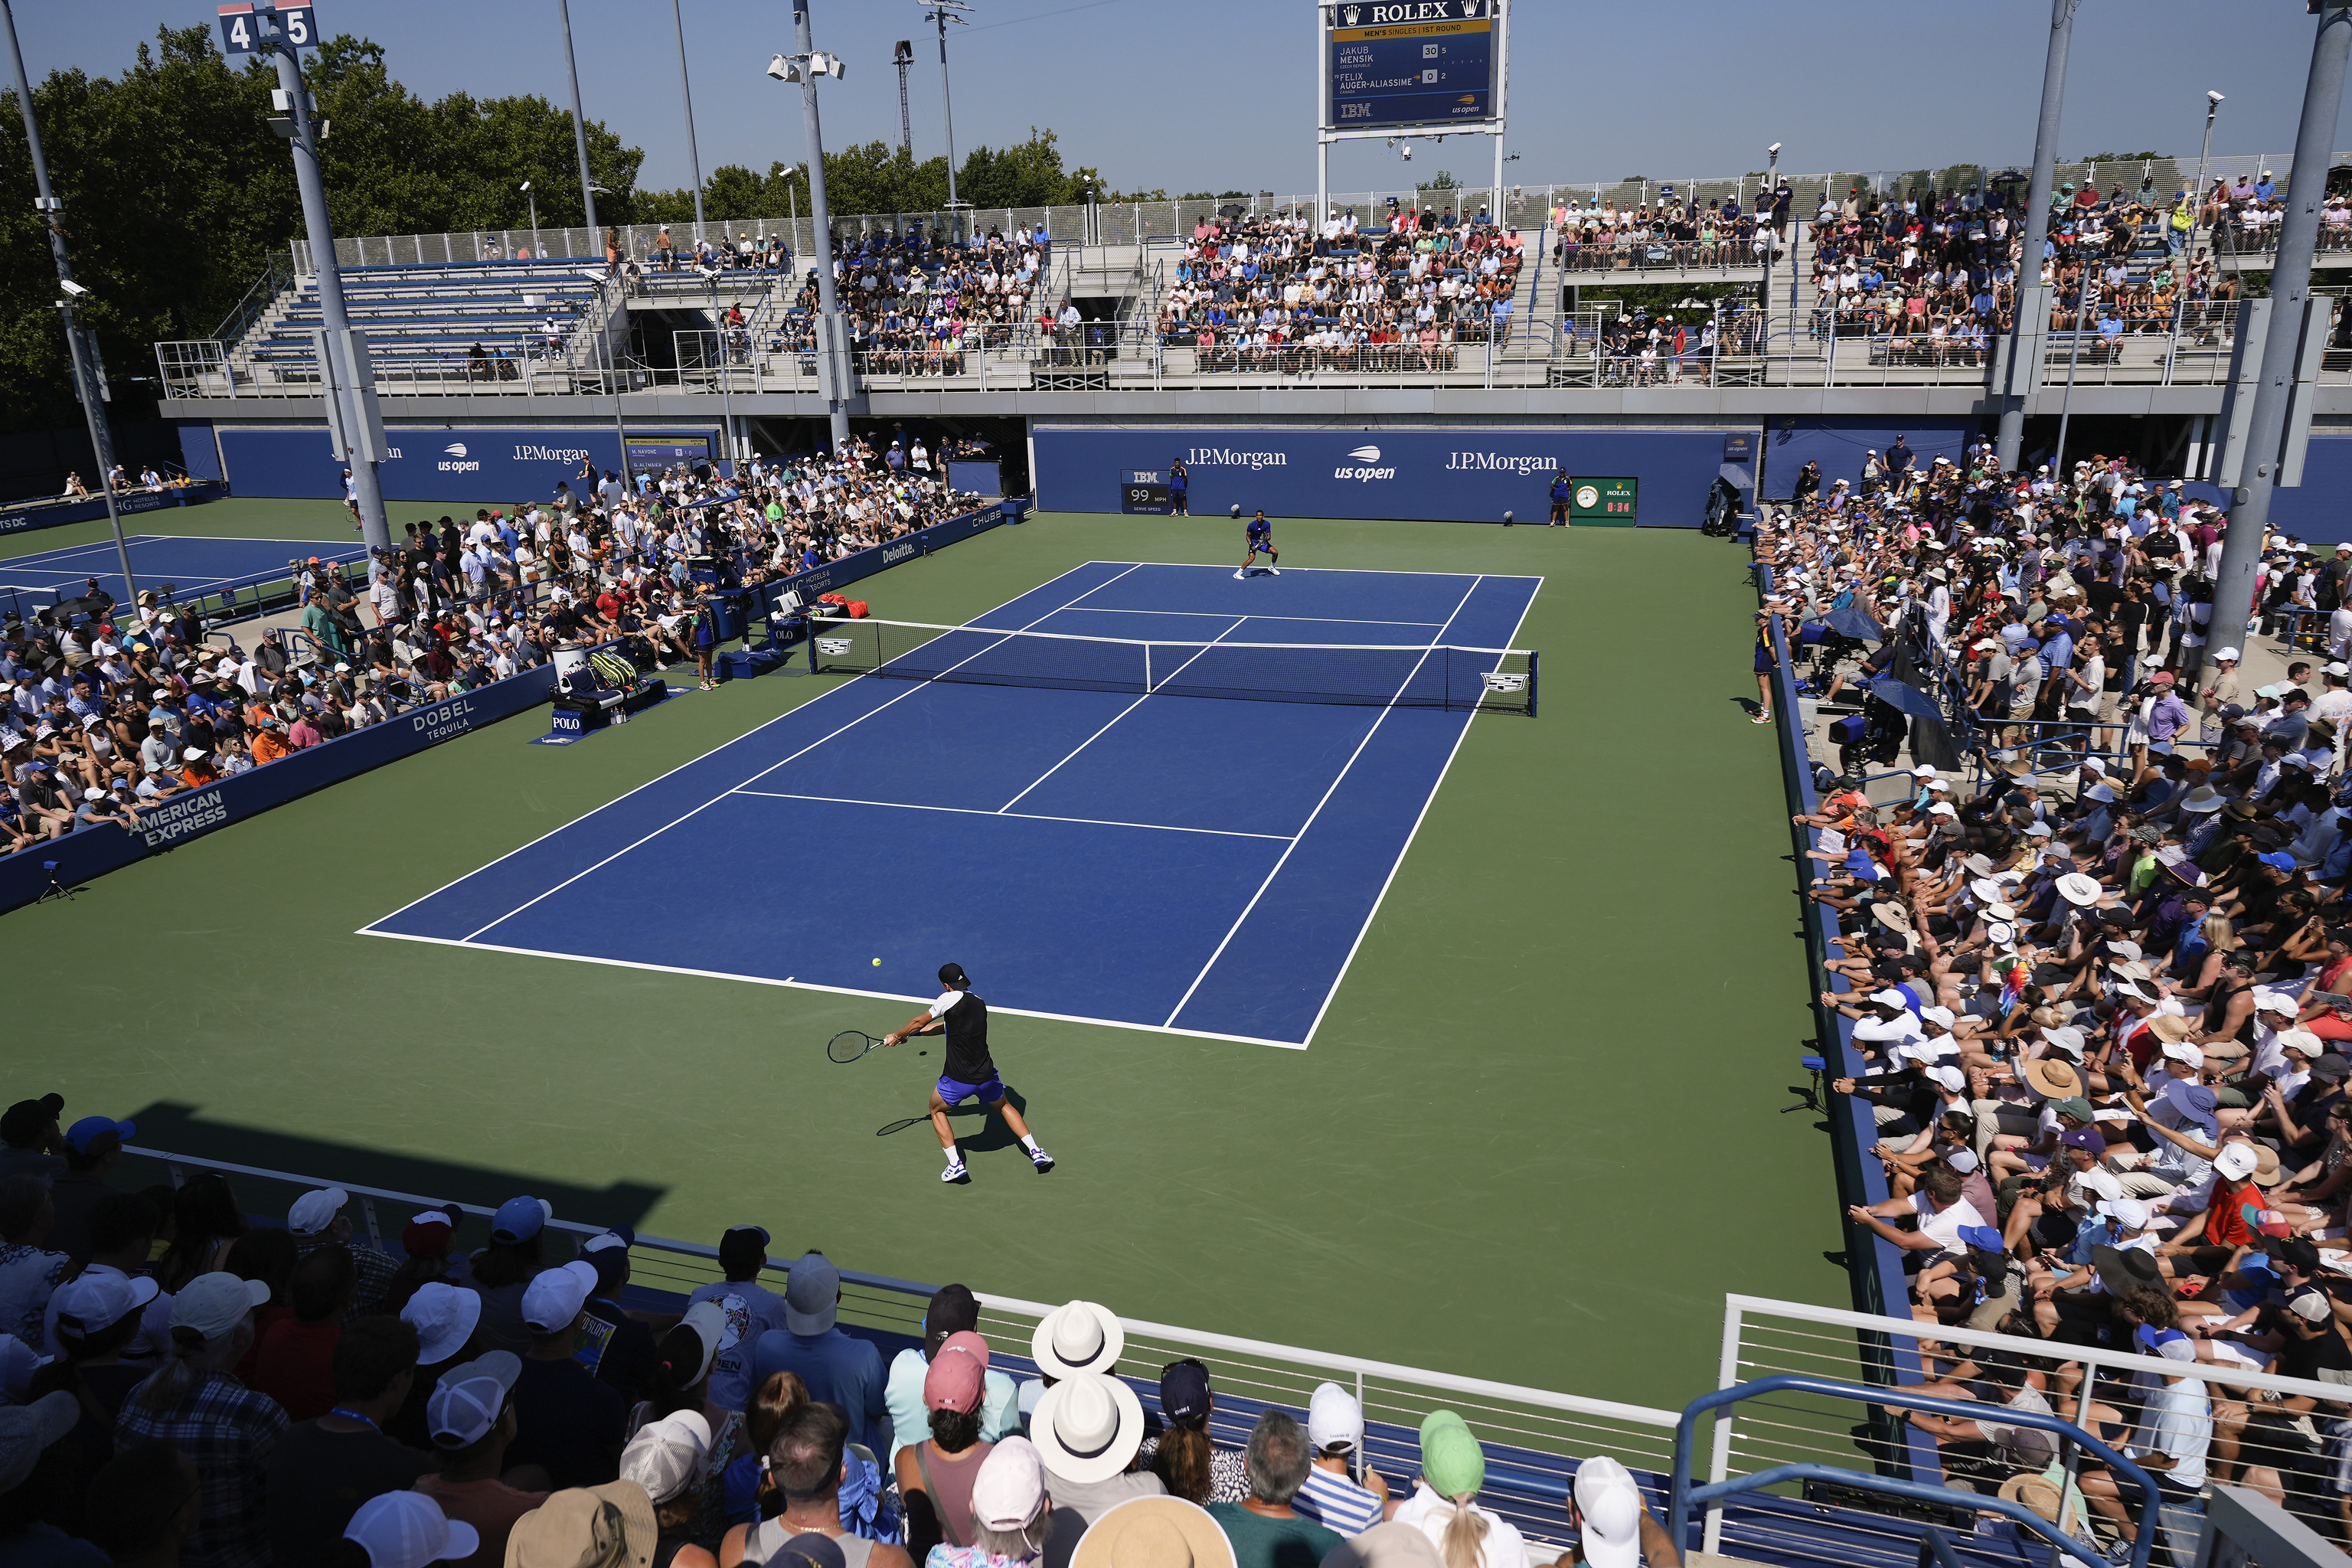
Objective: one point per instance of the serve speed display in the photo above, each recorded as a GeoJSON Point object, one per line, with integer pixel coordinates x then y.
{"type": "Point", "coordinates": [1144, 491]}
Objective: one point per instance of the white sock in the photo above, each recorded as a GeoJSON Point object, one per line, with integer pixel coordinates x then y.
{"type": "Point", "coordinates": [951, 1152]}
{"type": "Point", "coordinates": [1029, 1142]}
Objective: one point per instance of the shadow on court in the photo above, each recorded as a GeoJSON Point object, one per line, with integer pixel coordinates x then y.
{"type": "Point", "coordinates": [977, 1129]}
{"type": "Point", "coordinates": [185, 1130]}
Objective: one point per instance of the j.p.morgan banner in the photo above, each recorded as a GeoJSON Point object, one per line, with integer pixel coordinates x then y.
{"type": "Point", "coordinates": [469, 465]}
{"type": "Point", "coordinates": [1440, 475]}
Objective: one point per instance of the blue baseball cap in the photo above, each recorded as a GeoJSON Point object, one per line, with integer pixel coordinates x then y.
{"type": "Point", "coordinates": [1983, 1237]}
{"type": "Point", "coordinates": [519, 1219]}
{"type": "Point", "coordinates": [85, 1134]}
{"type": "Point", "coordinates": [2153, 1340]}
{"type": "Point", "coordinates": [2027, 644]}
{"type": "Point", "coordinates": [2277, 860]}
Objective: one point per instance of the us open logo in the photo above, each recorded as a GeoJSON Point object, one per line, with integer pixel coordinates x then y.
{"type": "Point", "coordinates": [456, 449]}
{"type": "Point", "coordinates": [1366, 460]}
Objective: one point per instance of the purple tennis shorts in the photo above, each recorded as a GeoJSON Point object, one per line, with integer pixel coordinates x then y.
{"type": "Point", "coordinates": [955, 1092]}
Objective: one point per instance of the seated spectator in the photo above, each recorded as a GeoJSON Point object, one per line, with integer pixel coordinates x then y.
{"type": "Point", "coordinates": [267, 1258]}
{"type": "Point", "coordinates": [93, 1147]}
{"type": "Point", "coordinates": [834, 1366]}
{"type": "Point", "coordinates": [1180, 1454]}
{"type": "Point", "coordinates": [446, 1317]}
{"type": "Point", "coordinates": [1613, 1523]}
{"type": "Point", "coordinates": [953, 1310]}
{"type": "Point", "coordinates": [94, 1316]}
{"type": "Point", "coordinates": [122, 1235]}
{"type": "Point", "coordinates": [31, 1472]}
{"type": "Point", "coordinates": [425, 1244]}
{"type": "Point", "coordinates": [582, 1525]}
{"type": "Point", "coordinates": [1444, 1501]}
{"type": "Point", "coordinates": [809, 1461]}
{"type": "Point", "coordinates": [936, 1475]}
{"type": "Point", "coordinates": [30, 1270]}
{"type": "Point", "coordinates": [470, 1419]}
{"type": "Point", "coordinates": [624, 1356]}
{"type": "Point", "coordinates": [1340, 1492]}
{"type": "Point", "coordinates": [1087, 1429]}
{"type": "Point", "coordinates": [144, 1504]}
{"type": "Point", "coordinates": [230, 1431]}
{"type": "Point", "coordinates": [747, 1308]}
{"type": "Point", "coordinates": [294, 1360]}
{"type": "Point", "coordinates": [1142, 1528]}
{"type": "Point", "coordinates": [30, 1143]}
{"type": "Point", "coordinates": [566, 1421]}
{"type": "Point", "coordinates": [668, 1459]}
{"type": "Point", "coordinates": [322, 1470]}
{"type": "Point", "coordinates": [401, 1529]}
{"type": "Point", "coordinates": [317, 1220]}
{"type": "Point", "coordinates": [1266, 1531]}
{"type": "Point", "coordinates": [205, 1222]}
{"type": "Point", "coordinates": [748, 1488]}
{"type": "Point", "coordinates": [500, 1272]}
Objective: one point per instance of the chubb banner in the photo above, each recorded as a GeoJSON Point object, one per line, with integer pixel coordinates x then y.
{"type": "Point", "coordinates": [1465, 475]}
{"type": "Point", "coordinates": [473, 466]}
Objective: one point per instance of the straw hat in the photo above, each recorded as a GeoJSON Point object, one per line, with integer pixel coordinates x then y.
{"type": "Point", "coordinates": [611, 1526]}
{"type": "Point", "coordinates": [1154, 1532]}
{"type": "Point", "coordinates": [2036, 1491]}
{"type": "Point", "coordinates": [2054, 1079]}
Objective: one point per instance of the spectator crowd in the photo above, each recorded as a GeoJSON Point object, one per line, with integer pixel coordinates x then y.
{"type": "Point", "coordinates": [108, 710]}
{"type": "Point", "coordinates": [916, 305]}
{"type": "Point", "coordinates": [184, 1382]}
{"type": "Point", "coordinates": [2097, 963]}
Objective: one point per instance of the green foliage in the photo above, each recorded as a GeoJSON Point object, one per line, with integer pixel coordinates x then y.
{"type": "Point", "coordinates": [2118, 158]}
{"type": "Point", "coordinates": [1442, 180]}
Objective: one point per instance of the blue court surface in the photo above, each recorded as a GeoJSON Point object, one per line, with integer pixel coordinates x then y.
{"type": "Point", "coordinates": [1189, 864]}
{"type": "Point", "coordinates": [193, 565]}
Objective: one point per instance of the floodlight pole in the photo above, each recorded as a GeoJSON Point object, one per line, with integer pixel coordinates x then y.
{"type": "Point", "coordinates": [832, 339]}
{"type": "Point", "coordinates": [685, 96]}
{"type": "Point", "coordinates": [579, 123]}
{"type": "Point", "coordinates": [2026, 330]}
{"type": "Point", "coordinates": [941, 11]}
{"type": "Point", "coordinates": [88, 383]}
{"type": "Point", "coordinates": [355, 407]}
{"type": "Point", "coordinates": [2307, 188]}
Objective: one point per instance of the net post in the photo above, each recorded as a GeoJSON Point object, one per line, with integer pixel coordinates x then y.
{"type": "Point", "coordinates": [1533, 655]}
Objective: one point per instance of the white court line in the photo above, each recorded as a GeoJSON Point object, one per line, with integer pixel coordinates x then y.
{"type": "Point", "coordinates": [1311, 815]}
{"type": "Point", "coordinates": [1402, 849]}
{"type": "Point", "coordinates": [369, 929]}
{"type": "Point", "coordinates": [1099, 734]}
{"type": "Point", "coordinates": [764, 772]}
{"type": "Point", "coordinates": [1024, 816]}
{"type": "Point", "coordinates": [63, 551]}
{"type": "Point", "coordinates": [797, 984]}
{"type": "Point", "coordinates": [1214, 614]}
{"type": "Point", "coordinates": [1335, 572]}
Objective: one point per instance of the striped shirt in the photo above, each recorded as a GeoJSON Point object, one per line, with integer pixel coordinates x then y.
{"type": "Point", "coordinates": [1337, 1502]}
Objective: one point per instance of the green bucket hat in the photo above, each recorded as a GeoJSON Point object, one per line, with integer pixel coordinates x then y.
{"type": "Point", "coordinates": [1451, 1460]}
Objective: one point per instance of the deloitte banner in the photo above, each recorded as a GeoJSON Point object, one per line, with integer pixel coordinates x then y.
{"type": "Point", "coordinates": [469, 465]}
{"type": "Point", "coordinates": [1471, 476]}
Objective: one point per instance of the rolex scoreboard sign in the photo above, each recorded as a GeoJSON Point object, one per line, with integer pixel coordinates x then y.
{"type": "Point", "coordinates": [1394, 63]}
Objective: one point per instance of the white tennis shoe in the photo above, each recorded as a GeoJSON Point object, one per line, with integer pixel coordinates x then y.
{"type": "Point", "coordinates": [954, 1173]}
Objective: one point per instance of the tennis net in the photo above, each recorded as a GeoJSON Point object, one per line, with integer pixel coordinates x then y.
{"type": "Point", "coordinates": [1378, 675]}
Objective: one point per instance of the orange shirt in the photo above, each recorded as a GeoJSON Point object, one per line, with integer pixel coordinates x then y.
{"type": "Point", "coordinates": [269, 748]}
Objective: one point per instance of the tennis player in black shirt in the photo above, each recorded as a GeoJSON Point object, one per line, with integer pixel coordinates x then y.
{"type": "Point", "coordinates": [969, 1071]}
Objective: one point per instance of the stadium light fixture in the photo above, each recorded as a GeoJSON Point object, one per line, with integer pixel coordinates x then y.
{"type": "Point", "coordinates": [72, 287]}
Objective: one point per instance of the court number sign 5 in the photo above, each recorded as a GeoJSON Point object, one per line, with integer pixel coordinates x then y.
{"type": "Point", "coordinates": [241, 29]}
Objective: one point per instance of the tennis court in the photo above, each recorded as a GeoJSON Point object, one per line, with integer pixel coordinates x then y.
{"type": "Point", "coordinates": [193, 565]}
{"type": "Point", "coordinates": [1098, 833]}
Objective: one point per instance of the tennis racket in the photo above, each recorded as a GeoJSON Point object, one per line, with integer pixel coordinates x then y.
{"type": "Point", "coordinates": [849, 1045]}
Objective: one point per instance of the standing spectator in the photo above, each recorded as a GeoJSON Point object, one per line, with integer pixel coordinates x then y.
{"type": "Point", "coordinates": [1444, 1501]}
{"type": "Point", "coordinates": [29, 1436]}
{"type": "Point", "coordinates": [953, 1310]}
{"type": "Point", "coordinates": [1330, 1495]}
{"type": "Point", "coordinates": [30, 1270]}
{"type": "Point", "coordinates": [29, 1139]}
{"type": "Point", "coordinates": [1266, 1531]}
{"type": "Point", "coordinates": [93, 1147]}
{"type": "Point", "coordinates": [566, 1421]}
{"type": "Point", "coordinates": [143, 1505]}
{"type": "Point", "coordinates": [472, 1420]}
{"type": "Point", "coordinates": [746, 1310]}
{"type": "Point", "coordinates": [1087, 1429]}
{"type": "Point", "coordinates": [294, 1361]}
{"type": "Point", "coordinates": [1181, 1456]}
{"type": "Point", "coordinates": [322, 1470]}
{"type": "Point", "coordinates": [834, 1367]}
{"type": "Point", "coordinates": [226, 1428]}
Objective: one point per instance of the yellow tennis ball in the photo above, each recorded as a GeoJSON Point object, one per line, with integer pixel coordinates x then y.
{"type": "Point", "coordinates": [877, 963]}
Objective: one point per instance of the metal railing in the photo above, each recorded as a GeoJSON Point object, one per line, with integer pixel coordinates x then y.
{"type": "Point", "coordinates": [1544, 1435]}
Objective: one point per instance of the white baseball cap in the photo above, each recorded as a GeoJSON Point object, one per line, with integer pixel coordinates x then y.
{"type": "Point", "coordinates": [2236, 1161]}
{"type": "Point", "coordinates": [1611, 1504]}
{"type": "Point", "coordinates": [314, 1212]}
{"type": "Point", "coordinates": [467, 1403]}
{"type": "Point", "coordinates": [214, 1303]}
{"type": "Point", "coordinates": [2129, 1212]}
{"type": "Point", "coordinates": [554, 1296]}
{"type": "Point", "coordinates": [408, 1529]}
{"type": "Point", "coordinates": [1334, 1419]}
{"type": "Point", "coordinates": [443, 1316]}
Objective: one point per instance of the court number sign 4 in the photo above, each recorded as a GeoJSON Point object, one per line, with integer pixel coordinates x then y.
{"type": "Point", "coordinates": [241, 29]}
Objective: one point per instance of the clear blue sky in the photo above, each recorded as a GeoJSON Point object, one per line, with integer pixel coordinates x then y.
{"type": "Point", "coordinates": [1219, 94]}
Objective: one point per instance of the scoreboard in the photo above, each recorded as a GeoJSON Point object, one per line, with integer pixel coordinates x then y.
{"type": "Point", "coordinates": [1144, 491]}
{"type": "Point", "coordinates": [1395, 63]}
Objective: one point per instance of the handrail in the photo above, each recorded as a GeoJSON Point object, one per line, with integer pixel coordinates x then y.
{"type": "Point", "coordinates": [277, 275]}
{"type": "Point", "coordinates": [1684, 1495]}
{"type": "Point", "coordinates": [1632, 1414]}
